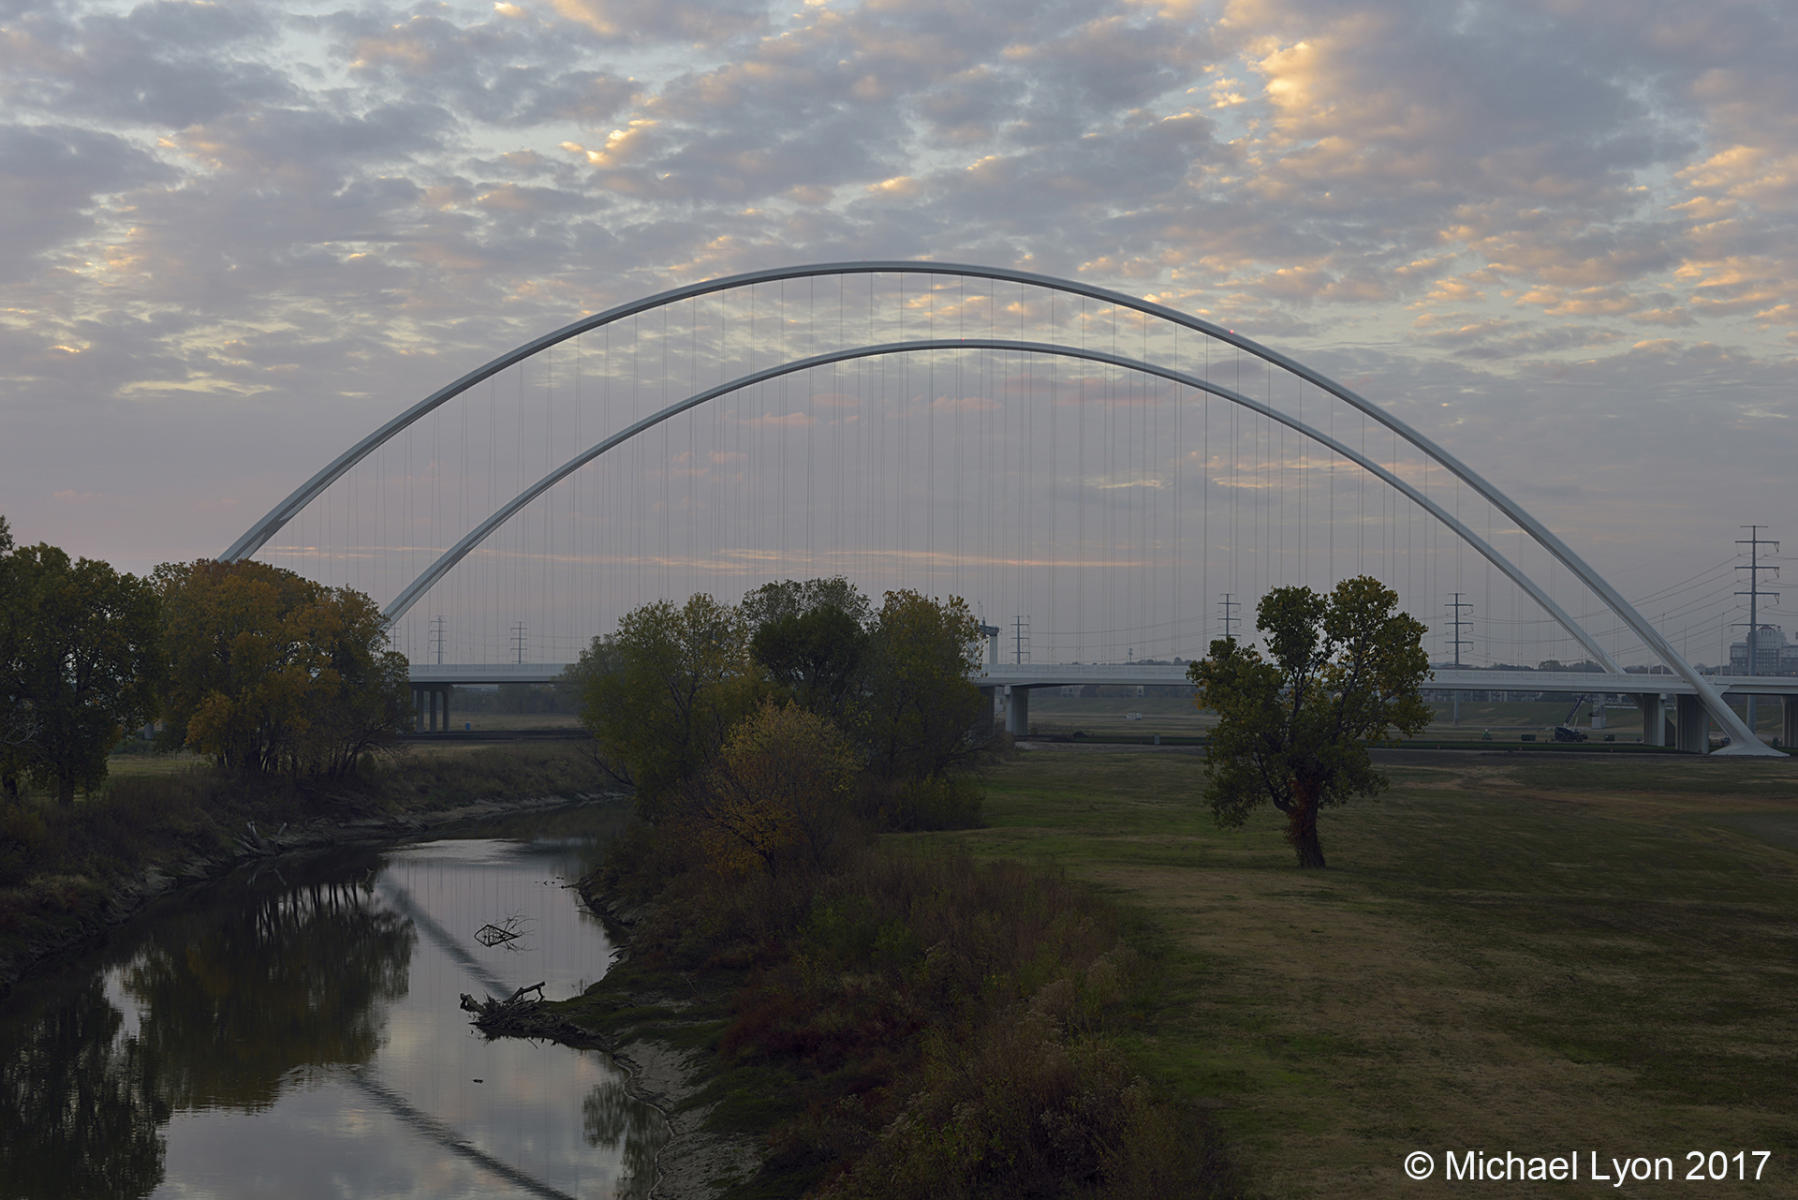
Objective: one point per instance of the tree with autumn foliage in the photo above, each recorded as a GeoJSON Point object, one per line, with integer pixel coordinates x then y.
{"type": "Point", "coordinates": [1343, 673]}
{"type": "Point", "coordinates": [779, 797]}
{"type": "Point", "coordinates": [272, 672]}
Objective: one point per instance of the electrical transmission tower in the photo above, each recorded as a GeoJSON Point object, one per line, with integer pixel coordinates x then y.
{"type": "Point", "coordinates": [1754, 541]}
{"type": "Point", "coordinates": [1455, 641]}
{"type": "Point", "coordinates": [437, 638]}
{"type": "Point", "coordinates": [518, 640]}
{"type": "Point", "coordinates": [1020, 638]}
{"type": "Point", "coordinates": [1456, 622]}
{"type": "Point", "coordinates": [1229, 606]}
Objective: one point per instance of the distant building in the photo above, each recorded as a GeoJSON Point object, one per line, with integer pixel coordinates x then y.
{"type": "Point", "coordinates": [1774, 653]}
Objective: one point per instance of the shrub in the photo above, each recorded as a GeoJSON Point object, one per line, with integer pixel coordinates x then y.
{"type": "Point", "coordinates": [1018, 1113]}
{"type": "Point", "coordinates": [916, 805]}
{"type": "Point", "coordinates": [778, 799]}
{"type": "Point", "coordinates": [22, 837]}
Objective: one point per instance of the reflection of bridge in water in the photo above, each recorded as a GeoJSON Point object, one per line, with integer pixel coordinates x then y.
{"type": "Point", "coordinates": [1012, 437]}
{"type": "Point", "coordinates": [446, 1136]}
{"type": "Point", "coordinates": [426, 1126]}
{"type": "Point", "coordinates": [1011, 685]}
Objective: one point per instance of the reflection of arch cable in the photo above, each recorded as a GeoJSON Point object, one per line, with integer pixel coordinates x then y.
{"type": "Point", "coordinates": [431, 1128]}
{"type": "Point", "coordinates": [401, 899]}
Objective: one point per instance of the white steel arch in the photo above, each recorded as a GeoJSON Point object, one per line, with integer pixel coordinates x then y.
{"type": "Point", "coordinates": [414, 591]}
{"type": "Point", "coordinates": [1742, 738]}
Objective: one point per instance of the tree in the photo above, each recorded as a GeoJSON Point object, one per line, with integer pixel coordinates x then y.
{"type": "Point", "coordinates": [779, 797]}
{"type": "Point", "coordinates": [1294, 729]}
{"type": "Point", "coordinates": [80, 661]}
{"type": "Point", "coordinates": [661, 693]}
{"type": "Point", "coordinates": [16, 721]}
{"type": "Point", "coordinates": [812, 640]}
{"type": "Point", "coordinates": [270, 671]}
{"type": "Point", "coordinates": [921, 708]}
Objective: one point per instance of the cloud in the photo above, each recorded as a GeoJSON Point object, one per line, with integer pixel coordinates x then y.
{"type": "Point", "coordinates": [662, 20]}
{"type": "Point", "coordinates": [53, 179]}
{"type": "Point", "coordinates": [163, 65]}
{"type": "Point", "coordinates": [235, 236]}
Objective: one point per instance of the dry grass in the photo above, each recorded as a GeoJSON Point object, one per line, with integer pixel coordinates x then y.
{"type": "Point", "coordinates": [1540, 957]}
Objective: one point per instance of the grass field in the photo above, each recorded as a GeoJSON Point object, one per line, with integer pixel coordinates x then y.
{"type": "Point", "coordinates": [1536, 956]}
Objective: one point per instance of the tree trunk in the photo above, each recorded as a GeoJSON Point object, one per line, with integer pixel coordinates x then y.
{"type": "Point", "coordinates": [1301, 827]}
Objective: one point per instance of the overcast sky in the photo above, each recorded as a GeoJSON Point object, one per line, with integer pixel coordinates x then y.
{"type": "Point", "coordinates": [235, 236]}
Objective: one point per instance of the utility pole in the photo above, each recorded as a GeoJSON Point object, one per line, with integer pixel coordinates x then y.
{"type": "Point", "coordinates": [1754, 541]}
{"type": "Point", "coordinates": [1456, 641]}
{"type": "Point", "coordinates": [437, 636]}
{"type": "Point", "coordinates": [1230, 606]}
{"type": "Point", "coordinates": [518, 640]}
{"type": "Point", "coordinates": [1020, 637]}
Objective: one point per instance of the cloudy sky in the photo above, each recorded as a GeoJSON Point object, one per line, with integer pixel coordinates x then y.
{"type": "Point", "coordinates": [1556, 233]}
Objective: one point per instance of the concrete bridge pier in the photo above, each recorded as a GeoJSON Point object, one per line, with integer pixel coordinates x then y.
{"type": "Point", "coordinates": [1788, 733]}
{"type": "Point", "coordinates": [1654, 718]}
{"type": "Point", "coordinates": [1694, 726]}
{"type": "Point", "coordinates": [1017, 710]}
{"type": "Point", "coordinates": [428, 701]}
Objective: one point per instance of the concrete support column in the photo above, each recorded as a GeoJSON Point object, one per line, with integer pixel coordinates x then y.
{"type": "Point", "coordinates": [1694, 725]}
{"type": "Point", "coordinates": [1788, 736]}
{"type": "Point", "coordinates": [983, 725]}
{"type": "Point", "coordinates": [430, 707]}
{"type": "Point", "coordinates": [1017, 710]}
{"type": "Point", "coordinates": [1654, 718]}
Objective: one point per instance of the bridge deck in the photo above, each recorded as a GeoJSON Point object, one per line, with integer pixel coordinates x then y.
{"type": "Point", "coordinates": [1129, 674]}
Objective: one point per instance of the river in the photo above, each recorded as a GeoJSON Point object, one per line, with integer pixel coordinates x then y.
{"type": "Point", "coordinates": [294, 1031]}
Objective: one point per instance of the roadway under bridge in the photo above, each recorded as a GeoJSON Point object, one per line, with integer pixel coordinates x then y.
{"type": "Point", "coordinates": [1660, 697]}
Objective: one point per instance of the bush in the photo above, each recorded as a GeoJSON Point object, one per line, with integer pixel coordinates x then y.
{"type": "Point", "coordinates": [943, 802]}
{"type": "Point", "coordinates": [23, 833]}
{"type": "Point", "coordinates": [778, 799]}
{"type": "Point", "coordinates": [1023, 1113]}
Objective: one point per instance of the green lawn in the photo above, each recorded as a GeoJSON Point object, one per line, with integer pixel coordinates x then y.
{"type": "Point", "coordinates": [1535, 956]}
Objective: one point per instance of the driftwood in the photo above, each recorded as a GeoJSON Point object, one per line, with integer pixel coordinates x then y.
{"type": "Point", "coordinates": [252, 842]}
{"type": "Point", "coordinates": [515, 1016]}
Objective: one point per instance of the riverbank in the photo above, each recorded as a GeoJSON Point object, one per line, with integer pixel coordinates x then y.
{"type": "Point", "coordinates": [69, 874]}
{"type": "Point", "coordinates": [906, 1022]}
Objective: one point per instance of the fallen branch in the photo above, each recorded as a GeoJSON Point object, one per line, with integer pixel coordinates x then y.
{"type": "Point", "coordinates": [515, 1016]}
